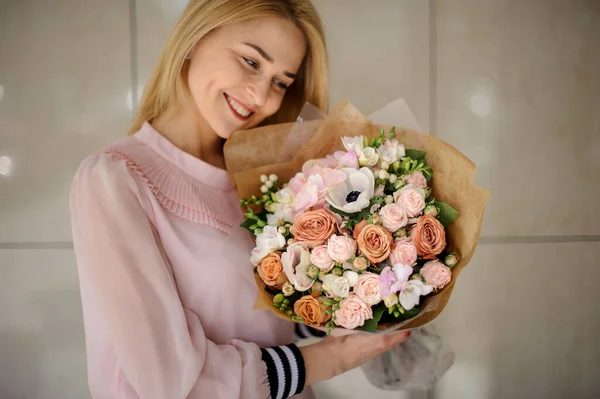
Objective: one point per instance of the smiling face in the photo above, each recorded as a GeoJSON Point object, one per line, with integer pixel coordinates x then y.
{"type": "Point", "coordinates": [238, 74]}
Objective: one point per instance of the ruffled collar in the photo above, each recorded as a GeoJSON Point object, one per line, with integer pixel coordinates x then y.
{"type": "Point", "coordinates": [184, 185]}
{"type": "Point", "coordinates": [198, 169]}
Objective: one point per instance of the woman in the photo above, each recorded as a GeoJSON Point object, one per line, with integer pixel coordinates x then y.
{"type": "Point", "coordinates": [166, 285]}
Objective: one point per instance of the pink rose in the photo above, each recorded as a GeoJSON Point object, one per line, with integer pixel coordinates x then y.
{"type": "Point", "coordinates": [321, 259]}
{"type": "Point", "coordinates": [367, 288]}
{"type": "Point", "coordinates": [405, 253]}
{"type": "Point", "coordinates": [393, 217]}
{"type": "Point", "coordinates": [417, 179]}
{"type": "Point", "coordinates": [436, 274]}
{"type": "Point", "coordinates": [353, 312]}
{"type": "Point", "coordinates": [341, 248]}
{"type": "Point", "coordinates": [412, 199]}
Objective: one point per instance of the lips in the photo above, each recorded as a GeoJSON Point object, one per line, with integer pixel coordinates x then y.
{"type": "Point", "coordinates": [239, 109]}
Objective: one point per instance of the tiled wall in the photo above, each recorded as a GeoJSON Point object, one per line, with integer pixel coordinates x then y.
{"type": "Point", "coordinates": [515, 85]}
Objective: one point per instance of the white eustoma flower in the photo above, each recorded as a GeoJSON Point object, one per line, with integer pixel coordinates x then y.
{"type": "Point", "coordinates": [351, 276]}
{"type": "Point", "coordinates": [283, 208]}
{"type": "Point", "coordinates": [354, 144]}
{"type": "Point", "coordinates": [266, 242]}
{"type": "Point", "coordinates": [337, 285]}
{"type": "Point", "coordinates": [391, 151]}
{"type": "Point", "coordinates": [355, 193]}
{"type": "Point", "coordinates": [411, 292]}
{"type": "Point", "coordinates": [368, 157]}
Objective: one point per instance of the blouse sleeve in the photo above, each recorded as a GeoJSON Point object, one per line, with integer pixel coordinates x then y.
{"type": "Point", "coordinates": [132, 310]}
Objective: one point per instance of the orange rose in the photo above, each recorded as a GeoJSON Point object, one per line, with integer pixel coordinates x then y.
{"type": "Point", "coordinates": [312, 310]}
{"type": "Point", "coordinates": [429, 237]}
{"type": "Point", "coordinates": [358, 228]}
{"type": "Point", "coordinates": [270, 270]}
{"type": "Point", "coordinates": [314, 227]}
{"type": "Point", "coordinates": [375, 242]}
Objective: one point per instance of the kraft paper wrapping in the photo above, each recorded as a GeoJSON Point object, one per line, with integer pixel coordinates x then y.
{"type": "Point", "coordinates": [254, 152]}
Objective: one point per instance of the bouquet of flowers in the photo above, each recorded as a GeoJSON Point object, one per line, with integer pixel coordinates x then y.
{"type": "Point", "coordinates": [358, 226]}
{"type": "Point", "coordinates": [353, 239]}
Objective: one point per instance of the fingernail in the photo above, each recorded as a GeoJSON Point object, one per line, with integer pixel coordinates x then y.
{"type": "Point", "coordinates": [408, 334]}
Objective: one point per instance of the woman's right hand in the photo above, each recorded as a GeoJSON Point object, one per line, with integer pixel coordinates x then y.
{"type": "Point", "coordinates": [335, 355]}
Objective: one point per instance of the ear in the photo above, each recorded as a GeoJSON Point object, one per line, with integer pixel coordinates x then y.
{"type": "Point", "coordinates": [191, 53]}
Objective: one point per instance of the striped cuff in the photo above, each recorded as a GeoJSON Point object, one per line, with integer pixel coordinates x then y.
{"type": "Point", "coordinates": [303, 331]}
{"type": "Point", "coordinates": [285, 370]}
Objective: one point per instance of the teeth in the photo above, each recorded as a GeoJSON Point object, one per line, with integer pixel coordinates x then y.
{"type": "Point", "coordinates": [238, 107]}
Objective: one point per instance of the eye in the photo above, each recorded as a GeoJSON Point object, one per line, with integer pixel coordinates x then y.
{"type": "Point", "coordinates": [253, 64]}
{"type": "Point", "coordinates": [280, 85]}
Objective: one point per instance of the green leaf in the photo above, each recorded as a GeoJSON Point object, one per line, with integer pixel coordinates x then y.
{"type": "Point", "coordinates": [409, 314]}
{"type": "Point", "coordinates": [246, 225]}
{"type": "Point", "coordinates": [447, 213]}
{"type": "Point", "coordinates": [371, 324]}
{"type": "Point", "coordinates": [415, 154]}
{"type": "Point", "coordinates": [342, 212]}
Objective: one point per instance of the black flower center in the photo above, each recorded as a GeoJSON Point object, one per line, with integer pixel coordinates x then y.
{"type": "Point", "coordinates": [352, 196]}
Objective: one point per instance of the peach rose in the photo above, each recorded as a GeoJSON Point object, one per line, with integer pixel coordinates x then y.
{"type": "Point", "coordinates": [393, 217]}
{"type": "Point", "coordinates": [314, 227]}
{"type": "Point", "coordinates": [270, 270]}
{"type": "Point", "coordinates": [429, 237]}
{"type": "Point", "coordinates": [375, 243]}
{"type": "Point", "coordinates": [404, 252]}
{"type": "Point", "coordinates": [367, 288]}
{"type": "Point", "coordinates": [312, 310]}
{"type": "Point", "coordinates": [436, 274]}
{"type": "Point", "coordinates": [352, 313]}
{"type": "Point", "coordinates": [358, 228]}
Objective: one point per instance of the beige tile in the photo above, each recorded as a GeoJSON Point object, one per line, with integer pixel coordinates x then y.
{"type": "Point", "coordinates": [65, 76]}
{"type": "Point", "coordinates": [518, 91]}
{"type": "Point", "coordinates": [523, 320]}
{"type": "Point", "coordinates": [378, 52]}
{"type": "Point", "coordinates": [42, 344]}
{"type": "Point", "coordinates": [34, 199]}
{"type": "Point", "coordinates": [155, 21]}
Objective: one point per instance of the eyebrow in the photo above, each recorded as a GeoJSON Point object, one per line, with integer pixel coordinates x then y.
{"type": "Point", "coordinates": [267, 57]}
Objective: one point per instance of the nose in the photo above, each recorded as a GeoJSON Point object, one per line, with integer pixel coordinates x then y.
{"type": "Point", "coordinates": [259, 91]}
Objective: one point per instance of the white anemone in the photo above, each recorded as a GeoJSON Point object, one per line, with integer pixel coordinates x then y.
{"type": "Point", "coordinates": [355, 193]}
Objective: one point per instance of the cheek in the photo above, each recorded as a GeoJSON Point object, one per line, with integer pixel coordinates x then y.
{"type": "Point", "coordinates": [273, 104]}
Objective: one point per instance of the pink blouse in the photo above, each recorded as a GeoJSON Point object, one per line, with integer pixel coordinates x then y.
{"type": "Point", "coordinates": [166, 283]}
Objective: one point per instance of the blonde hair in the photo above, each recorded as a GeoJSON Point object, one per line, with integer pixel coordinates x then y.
{"type": "Point", "coordinates": [167, 85]}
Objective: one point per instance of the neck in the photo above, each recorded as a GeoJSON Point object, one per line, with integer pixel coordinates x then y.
{"type": "Point", "coordinates": [191, 133]}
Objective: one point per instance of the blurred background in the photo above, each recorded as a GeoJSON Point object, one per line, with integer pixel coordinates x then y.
{"type": "Point", "coordinates": [515, 85]}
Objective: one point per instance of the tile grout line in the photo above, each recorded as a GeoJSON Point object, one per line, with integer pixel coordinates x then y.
{"type": "Point", "coordinates": [433, 67]}
{"type": "Point", "coordinates": [133, 55]}
{"type": "Point", "coordinates": [537, 239]}
{"type": "Point", "coordinates": [485, 240]}
{"type": "Point", "coordinates": [432, 98]}
{"type": "Point", "coordinates": [37, 245]}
